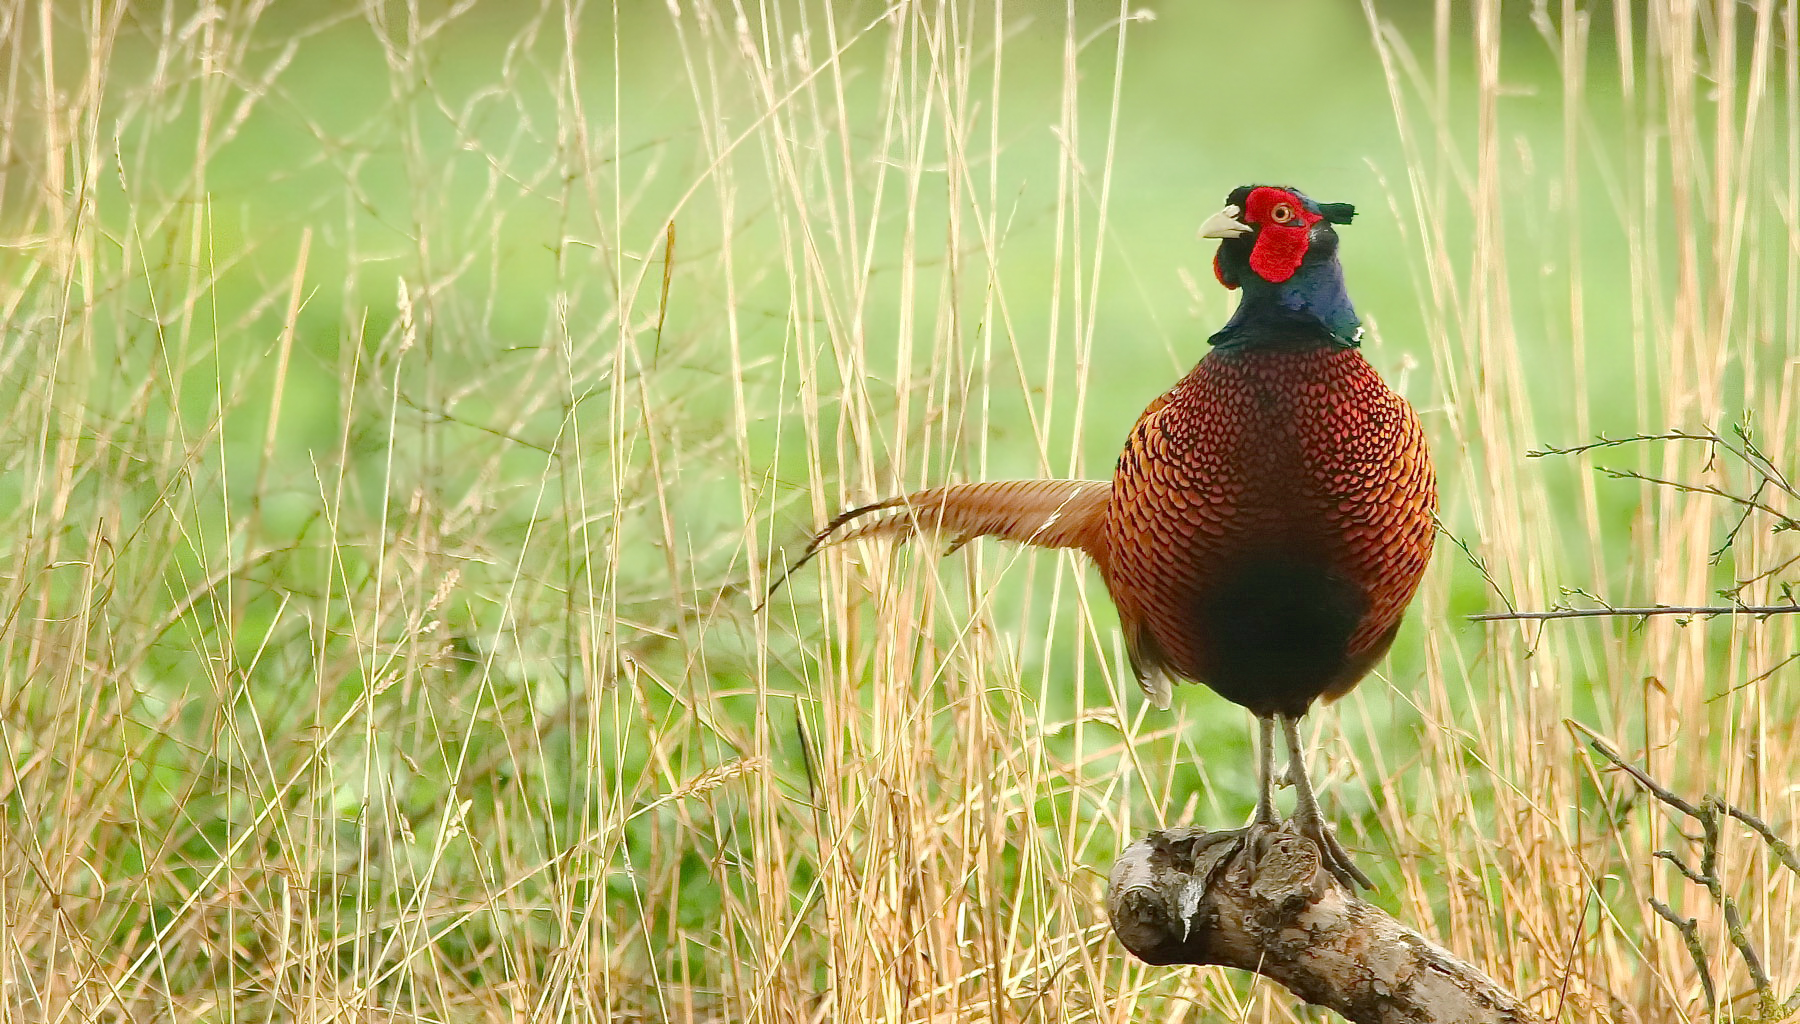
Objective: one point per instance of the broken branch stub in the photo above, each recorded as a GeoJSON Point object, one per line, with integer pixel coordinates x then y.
{"type": "Point", "coordinates": [1269, 908]}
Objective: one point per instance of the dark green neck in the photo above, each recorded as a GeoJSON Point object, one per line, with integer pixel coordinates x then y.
{"type": "Point", "coordinates": [1312, 307]}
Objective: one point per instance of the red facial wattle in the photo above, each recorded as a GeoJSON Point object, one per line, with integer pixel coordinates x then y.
{"type": "Point", "coordinates": [1286, 229]}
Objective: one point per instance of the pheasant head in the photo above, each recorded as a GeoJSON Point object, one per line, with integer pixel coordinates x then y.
{"type": "Point", "coordinates": [1279, 246]}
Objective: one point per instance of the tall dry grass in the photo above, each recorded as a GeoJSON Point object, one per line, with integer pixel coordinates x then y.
{"type": "Point", "coordinates": [411, 401]}
{"type": "Point", "coordinates": [1664, 218]}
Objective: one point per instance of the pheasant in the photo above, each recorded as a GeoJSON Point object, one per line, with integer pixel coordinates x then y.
{"type": "Point", "coordinates": [1270, 516]}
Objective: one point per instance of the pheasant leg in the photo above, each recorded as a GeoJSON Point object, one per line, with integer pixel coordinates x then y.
{"type": "Point", "coordinates": [1307, 820]}
{"type": "Point", "coordinates": [1263, 818]}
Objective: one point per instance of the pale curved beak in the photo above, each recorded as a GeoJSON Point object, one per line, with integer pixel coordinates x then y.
{"type": "Point", "coordinates": [1224, 224]}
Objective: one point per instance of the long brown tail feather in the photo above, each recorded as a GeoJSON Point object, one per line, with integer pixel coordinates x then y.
{"type": "Point", "coordinates": [1042, 513]}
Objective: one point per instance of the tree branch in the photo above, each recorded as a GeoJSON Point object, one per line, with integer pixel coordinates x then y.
{"type": "Point", "coordinates": [1175, 900]}
{"type": "Point", "coordinates": [1710, 813]}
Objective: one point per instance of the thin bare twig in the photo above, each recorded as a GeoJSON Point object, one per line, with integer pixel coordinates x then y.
{"type": "Point", "coordinates": [1746, 450]}
{"type": "Point", "coordinates": [1690, 936]}
{"type": "Point", "coordinates": [1659, 609]}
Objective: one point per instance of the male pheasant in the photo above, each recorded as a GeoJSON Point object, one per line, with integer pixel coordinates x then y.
{"type": "Point", "coordinates": [1271, 515]}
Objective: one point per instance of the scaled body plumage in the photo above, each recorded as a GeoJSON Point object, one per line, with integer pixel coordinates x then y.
{"type": "Point", "coordinates": [1270, 518]}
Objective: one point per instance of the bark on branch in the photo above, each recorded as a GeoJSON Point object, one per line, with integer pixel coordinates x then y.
{"type": "Point", "coordinates": [1277, 913]}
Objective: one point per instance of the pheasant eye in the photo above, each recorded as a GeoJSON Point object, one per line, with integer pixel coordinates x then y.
{"type": "Point", "coordinates": [1282, 213]}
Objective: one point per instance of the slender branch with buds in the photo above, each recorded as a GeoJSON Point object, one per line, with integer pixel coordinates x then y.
{"type": "Point", "coordinates": [1659, 609]}
{"type": "Point", "coordinates": [1772, 489]}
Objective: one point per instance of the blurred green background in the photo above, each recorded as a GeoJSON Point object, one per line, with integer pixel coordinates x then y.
{"type": "Point", "coordinates": [384, 465]}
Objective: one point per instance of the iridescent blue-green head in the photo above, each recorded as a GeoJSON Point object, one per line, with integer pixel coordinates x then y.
{"type": "Point", "coordinates": [1279, 246]}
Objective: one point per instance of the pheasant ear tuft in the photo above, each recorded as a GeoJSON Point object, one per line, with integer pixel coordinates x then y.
{"type": "Point", "coordinates": [1337, 213]}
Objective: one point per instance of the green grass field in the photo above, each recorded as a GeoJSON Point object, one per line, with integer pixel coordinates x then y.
{"type": "Point", "coordinates": [411, 402]}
